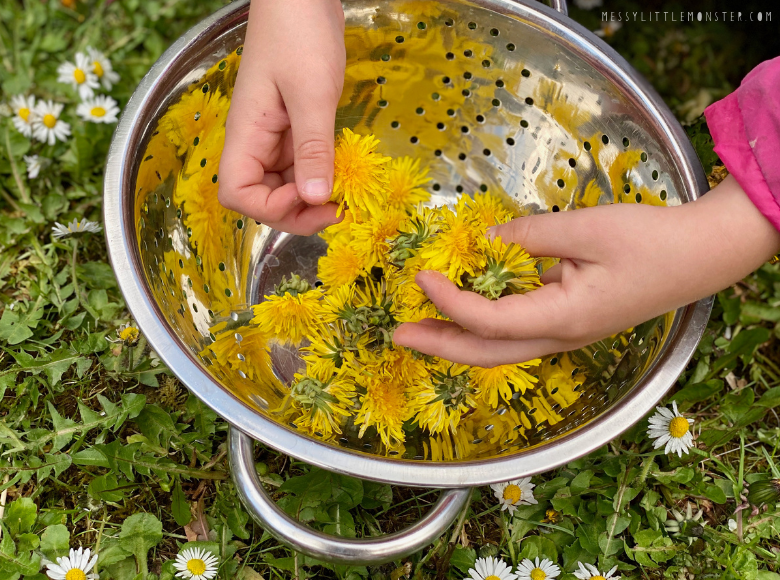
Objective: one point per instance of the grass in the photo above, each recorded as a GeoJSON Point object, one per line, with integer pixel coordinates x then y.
{"type": "Point", "coordinates": [101, 446]}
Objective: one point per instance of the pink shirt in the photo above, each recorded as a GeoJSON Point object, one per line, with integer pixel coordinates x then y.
{"type": "Point", "coordinates": [746, 129]}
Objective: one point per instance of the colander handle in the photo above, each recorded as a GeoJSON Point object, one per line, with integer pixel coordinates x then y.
{"type": "Point", "coordinates": [331, 548]}
{"type": "Point", "coordinates": [560, 6]}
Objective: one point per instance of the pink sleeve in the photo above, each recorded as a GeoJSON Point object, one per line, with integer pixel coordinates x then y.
{"type": "Point", "coordinates": [746, 129]}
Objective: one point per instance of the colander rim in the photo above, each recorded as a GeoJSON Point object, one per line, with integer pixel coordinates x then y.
{"type": "Point", "coordinates": [688, 327]}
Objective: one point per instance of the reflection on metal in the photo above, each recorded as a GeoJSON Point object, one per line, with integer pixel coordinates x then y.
{"type": "Point", "coordinates": [494, 95]}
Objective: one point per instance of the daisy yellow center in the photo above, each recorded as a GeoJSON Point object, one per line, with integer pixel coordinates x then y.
{"type": "Point", "coordinates": [513, 493]}
{"type": "Point", "coordinates": [129, 334]}
{"type": "Point", "coordinates": [196, 566]}
{"type": "Point", "coordinates": [538, 574]}
{"type": "Point", "coordinates": [79, 75]}
{"type": "Point", "coordinates": [49, 120]}
{"type": "Point", "coordinates": [97, 69]}
{"type": "Point", "coordinates": [597, 578]}
{"type": "Point", "coordinates": [492, 577]}
{"type": "Point", "coordinates": [678, 427]}
{"type": "Point", "coordinates": [75, 574]}
{"type": "Point", "coordinates": [24, 113]}
{"type": "Point", "coordinates": [97, 112]}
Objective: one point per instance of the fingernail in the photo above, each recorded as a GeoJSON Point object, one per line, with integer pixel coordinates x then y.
{"type": "Point", "coordinates": [317, 190]}
{"type": "Point", "coordinates": [492, 233]}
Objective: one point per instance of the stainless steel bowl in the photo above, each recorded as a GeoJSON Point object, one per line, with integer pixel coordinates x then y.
{"type": "Point", "coordinates": [508, 96]}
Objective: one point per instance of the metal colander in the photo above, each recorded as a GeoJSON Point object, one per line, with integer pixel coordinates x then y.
{"type": "Point", "coordinates": [494, 95]}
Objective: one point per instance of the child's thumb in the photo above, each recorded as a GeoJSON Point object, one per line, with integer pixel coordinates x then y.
{"type": "Point", "coordinates": [556, 235]}
{"type": "Point", "coordinates": [312, 111]}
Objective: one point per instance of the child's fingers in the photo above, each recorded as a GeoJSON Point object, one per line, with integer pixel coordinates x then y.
{"type": "Point", "coordinates": [542, 313]}
{"type": "Point", "coordinates": [305, 220]}
{"type": "Point", "coordinates": [454, 343]}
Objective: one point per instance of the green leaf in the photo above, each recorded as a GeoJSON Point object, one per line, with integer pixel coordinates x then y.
{"type": "Point", "coordinates": [376, 495]}
{"type": "Point", "coordinates": [742, 346]}
{"type": "Point", "coordinates": [14, 327]}
{"type": "Point", "coordinates": [701, 140]}
{"type": "Point", "coordinates": [463, 559]}
{"type": "Point", "coordinates": [180, 507]}
{"type": "Point", "coordinates": [105, 488]}
{"type": "Point", "coordinates": [770, 399]}
{"type": "Point", "coordinates": [140, 533]}
{"type": "Point", "coordinates": [55, 541]}
{"type": "Point", "coordinates": [97, 275]}
{"type": "Point", "coordinates": [698, 391]}
{"type": "Point", "coordinates": [538, 547]}
{"type": "Point", "coordinates": [20, 515]}
{"type": "Point", "coordinates": [157, 425]}
{"type": "Point", "coordinates": [581, 482]}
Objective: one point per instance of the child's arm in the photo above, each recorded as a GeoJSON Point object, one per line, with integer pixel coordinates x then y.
{"type": "Point", "coordinates": [277, 163]}
{"type": "Point", "coordinates": [622, 264]}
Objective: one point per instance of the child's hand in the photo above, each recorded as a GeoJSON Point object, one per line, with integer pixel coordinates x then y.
{"type": "Point", "coordinates": [622, 265]}
{"type": "Point", "coordinates": [277, 164]}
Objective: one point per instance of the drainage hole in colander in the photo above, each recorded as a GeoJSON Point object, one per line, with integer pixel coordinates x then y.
{"type": "Point", "coordinates": [206, 288]}
{"type": "Point", "coordinates": [510, 141]}
{"type": "Point", "coordinates": [627, 188]}
{"type": "Point", "coordinates": [395, 124]}
{"type": "Point", "coordinates": [496, 103]}
{"type": "Point", "coordinates": [556, 209]}
{"type": "Point", "coordinates": [560, 183]}
{"type": "Point", "coordinates": [472, 25]}
{"type": "Point", "coordinates": [399, 39]}
{"type": "Point", "coordinates": [467, 75]}
{"type": "Point", "coordinates": [440, 126]}
{"type": "Point", "coordinates": [464, 129]}
{"type": "Point", "coordinates": [367, 446]}
{"type": "Point", "coordinates": [449, 22]}
{"type": "Point", "coordinates": [420, 111]}
{"type": "Point", "coordinates": [486, 152]}
{"type": "Point", "coordinates": [451, 112]}
{"type": "Point", "coordinates": [586, 145]}
{"type": "Point", "coordinates": [500, 84]}
{"type": "Point", "coordinates": [393, 452]}
{"type": "Point", "coordinates": [480, 119]}
{"type": "Point", "coordinates": [525, 72]}
{"type": "Point", "coordinates": [605, 139]}
{"type": "Point", "coordinates": [382, 103]}
{"type": "Point", "coordinates": [462, 156]}
{"type": "Point", "coordinates": [449, 56]}
{"type": "Point", "coordinates": [436, 187]}
{"type": "Point", "coordinates": [494, 32]}
{"type": "Point", "coordinates": [486, 63]}
{"type": "Point", "coordinates": [459, 188]}
{"type": "Point", "coordinates": [643, 157]}
{"type": "Point", "coordinates": [437, 153]}
{"type": "Point", "coordinates": [663, 195]}
{"type": "Point", "coordinates": [483, 188]}
{"type": "Point", "coordinates": [529, 101]}
{"type": "Point", "coordinates": [524, 124]}
{"type": "Point", "coordinates": [421, 25]}
{"type": "Point", "coordinates": [318, 283]}
{"type": "Point", "coordinates": [240, 224]}
{"type": "Point", "coordinates": [381, 80]}
{"type": "Point", "coordinates": [194, 307]}
{"type": "Point", "coordinates": [385, 57]}
{"type": "Point", "coordinates": [466, 92]}
{"type": "Point", "coordinates": [626, 142]}
{"type": "Point", "coordinates": [435, 96]}
{"type": "Point", "coordinates": [414, 140]}
{"type": "Point", "coordinates": [655, 175]}
{"type": "Point", "coordinates": [572, 162]}
{"type": "Point", "coordinates": [468, 53]}
{"type": "Point", "coordinates": [446, 80]}
{"type": "Point", "coordinates": [510, 47]}
{"type": "Point", "coordinates": [343, 440]}
{"type": "Point", "coordinates": [477, 441]}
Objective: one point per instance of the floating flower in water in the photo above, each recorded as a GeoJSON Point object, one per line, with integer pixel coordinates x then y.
{"type": "Point", "coordinates": [406, 179]}
{"type": "Point", "coordinates": [79, 75]}
{"type": "Point", "coordinates": [491, 568]}
{"type": "Point", "coordinates": [81, 226]}
{"type": "Point", "coordinates": [33, 163]}
{"type": "Point", "coordinates": [360, 179]}
{"type": "Point", "coordinates": [537, 570]}
{"type": "Point", "coordinates": [100, 109]}
{"type": "Point", "coordinates": [514, 493]}
{"type": "Point", "coordinates": [102, 68]}
{"type": "Point", "coordinates": [75, 566]}
{"type": "Point", "coordinates": [196, 564]}
{"type": "Point", "coordinates": [590, 572]}
{"type": "Point", "coordinates": [669, 427]}
{"type": "Point", "coordinates": [502, 380]}
{"type": "Point", "coordinates": [291, 313]}
{"type": "Point", "coordinates": [24, 114]}
{"type": "Point", "coordinates": [47, 125]}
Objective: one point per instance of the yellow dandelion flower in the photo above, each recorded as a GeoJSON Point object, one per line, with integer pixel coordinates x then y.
{"type": "Point", "coordinates": [561, 378]}
{"type": "Point", "coordinates": [371, 239]}
{"type": "Point", "coordinates": [322, 402]}
{"type": "Point", "coordinates": [340, 232]}
{"type": "Point", "coordinates": [502, 380]}
{"type": "Point", "coordinates": [457, 248]}
{"type": "Point", "coordinates": [406, 180]}
{"type": "Point", "coordinates": [192, 119]}
{"type": "Point", "coordinates": [590, 195]}
{"type": "Point", "coordinates": [334, 302]}
{"type": "Point", "coordinates": [341, 265]}
{"type": "Point", "coordinates": [486, 208]}
{"type": "Point", "coordinates": [509, 270]}
{"type": "Point", "coordinates": [619, 172]}
{"type": "Point", "coordinates": [401, 364]}
{"type": "Point", "coordinates": [243, 349]}
{"type": "Point", "coordinates": [549, 97]}
{"type": "Point", "coordinates": [383, 406]}
{"type": "Point", "coordinates": [331, 351]}
{"type": "Point", "coordinates": [289, 319]}
{"type": "Point", "coordinates": [440, 401]}
{"type": "Point", "coordinates": [360, 179]}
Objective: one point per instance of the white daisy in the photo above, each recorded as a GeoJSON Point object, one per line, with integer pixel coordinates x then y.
{"type": "Point", "coordinates": [537, 570]}
{"type": "Point", "coordinates": [24, 114]}
{"type": "Point", "coordinates": [47, 125]}
{"type": "Point", "coordinates": [590, 572]}
{"type": "Point", "coordinates": [76, 566]}
{"type": "Point", "coordinates": [33, 163]}
{"type": "Point", "coordinates": [514, 493]}
{"type": "Point", "coordinates": [588, 4]}
{"type": "Point", "coordinates": [102, 68]}
{"type": "Point", "coordinates": [60, 231]}
{"type": "Point", "coordinates": [491, 568]}
{"type": "Point", "coordinates": [608, 28]}
{"type": "Point", "coordinates": [100, 109]}
{"type": "Point", "coordinates": [196, 564]}
{"type": "Point", "coordinates": [671, 428]}
{"type": "Point", "coordinates": [79, 75]}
